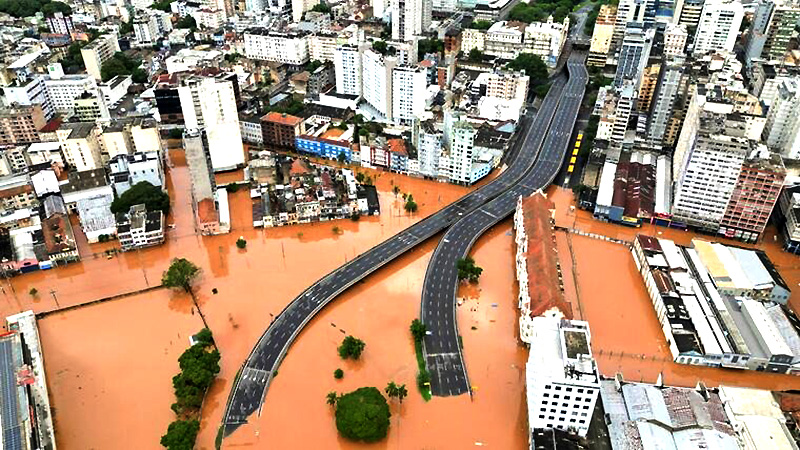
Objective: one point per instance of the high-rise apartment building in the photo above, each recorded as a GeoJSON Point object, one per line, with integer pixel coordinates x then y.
{"type": "Point", "coordinates": [687, 12]}
{"type": "Point", "coordinates": [21, 124]}
{"type": "Point", "coordinates": [602, 36]}
{"type": "Point", "coordinates": [462, 144]}
{"type": "Point", "coordinates": [562, 382]}
{"type": "Point", "coordinates": [633, 55]}
{"type": "Point", "coordinates": [90, 106]}
{"type": "Point", "coordinates": [718, 27]}
{"type": "Point", "coordinates": [647, 87]}
{"type": "Point", "coordinates": [266, 45]}
{"type": "Point", "coordinates": [782, 129]}
{"type": "Point", "coordinates": [81, 145]}
{"type": "Point", "coordinates": [664, 99]}
{"type": "Point", "coordinates": [376, 81]}
{"type": "Point", "coordinates": [410, 18]}
{"type": "Point", "coordinates": [708, 173]}
{"type": "Point", "coordinates": [429, 149]}
{"type": "Point", "coordinates": [630, 11]}
{"type": "Point", "coordinates": [626, 101]}
{"type": "Point", "coordinates": [98, 52]}
{"type": "Point", "coordinates": [59, 23]}
{"type": "Point", "coordinates": [772, 27]}
{"type": "Point", "coordinates": [754, 196]}
{"type": "Point", "coordinates": [408, 93]}
{"type": "Point", "coordinates": [209, 104]}
{"type": "Point", "coordinates": [347, 66]}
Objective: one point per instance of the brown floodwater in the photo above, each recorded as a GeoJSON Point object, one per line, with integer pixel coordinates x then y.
{"type": "Point", "coordinates": [87, 345]}
{"type": "Point", "coordinates": [106, 362]}
{"type": "Point", "coordinates": [626, 335]}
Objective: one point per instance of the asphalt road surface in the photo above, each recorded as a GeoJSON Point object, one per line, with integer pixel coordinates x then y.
{"type": "Point", "coordinates": [251, 385]}
{"type": "Point", "coordinates": [441, 347]}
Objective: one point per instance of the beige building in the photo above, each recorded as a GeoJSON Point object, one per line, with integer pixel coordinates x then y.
{"type": "Point", "coordinates": [675, 38]}
{"type": "Point", "coordinates": [90, 106]}
{"type": "Point", "coordinates": [98, 52]}
{"type": "Point", "coordinates": [648, 87]}
{"type": "Point", "coordinates": [602, 36]}
{"type": "Point", "coordinates": [16, 192]}
{"type": "Point", "coordinates": [81, 145]}
{"type": "Point", "coordinates": [21, 124]}
{"type": "Point", "coordinates": [507, 85]}
{"type": "Point", "coordinates": [473, 39]}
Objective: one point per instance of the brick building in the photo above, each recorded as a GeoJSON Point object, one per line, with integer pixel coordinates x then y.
{"type": "Point", "coordinates": [280, 130]}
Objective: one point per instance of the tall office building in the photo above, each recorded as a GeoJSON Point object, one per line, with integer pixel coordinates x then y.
{"type": "Point", "coordinates": [347, 66]}
{"type": "Point", "coordinates": [719, 26]}
{"type": "Point", "coordinates": [771, 30]}
{"type": "Point", "coordinates": [782, 129]}
{"type": "Point", "coordinates": [408, 93]}
{"type": "Point", "coordinates": [633, 55]}
{"type": "Point", "coordinates": [562, 382]}
{"type": "Point", "coordinates": [602, 36]}
{"type": "Point", "coordinates": [626, 101]}
{"type": "Point", "coordinates": [687, 12]}
{"type": "Point", "coordinates": [708, 173]}
{"type": "Point", "coordinates": [98, 52]}
{"type": "Point", "coordinates": [754, 196]}
{"type": "Point", "coordinates": [664, 99]}
{"type": "Point", "coordinates": [210, 104]}
{"type": "Point", "coordinates": [638, 11]}
{"type": "Point", "coordinates": [647, 88]}
{"type": "Point", "coordinates": [376, 81]}
{"type": "Point", "coordinates": [410, 18]}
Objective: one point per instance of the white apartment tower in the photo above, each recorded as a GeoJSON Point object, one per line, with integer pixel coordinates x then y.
{"type": "Point", "coordinates": [376, 81]}
{"type": "Point", "coordinates": [210, 104]}
{"type": "Point", "coordinates": [708, 174]}
{"type": "Point", "coordinates": [675, 37]}
{"type": "Point", "coordinates": [410, 18]}
{"type": "Point", "coordinates": [347, 65]}
{"type": "Point", "coordinates": [782, 130]}
{"type": "Point", "coordinates": [408, 93]}
{"type": "Point", "coordinates": [561, 378]}
{"type": "Point", "coordinates": [719, 26]}
{"type": "Point", "coordinates": [462, 143]}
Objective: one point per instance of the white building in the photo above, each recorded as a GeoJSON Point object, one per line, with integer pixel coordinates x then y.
{"type": "Point", "coordinates": [410, 18]}
{"type": "Point", "coordinates": [210, 104]}
{"type": "Point", "coordinates": [287, 48]}
{"type": "Point", "coordinates": [472, 38]}
{"type": "Point", "coordinates": [429, 149]}
{"type": "Point", "coordinates": [546, 39]}
{"type": "Point", "coordinates": [408, 93]}
{"type": "Point", "coordinates": [81, 145]}
{"type": "Point", "coordinates": [127, 171]}
{"type": "Point", "coordinates": [561, 378]}
{"type": "Point", "coordinates": [706, 177]}
{"type": "Point", "coordinates": [675, 37]}
{"type": "Point", "coordinates": [756, 418]}
{"type": "Point", "coordinates": [719, 26]}
{"type": "Point", "coordinates": [140, 228]}
{"type": "Point", "coordinates": [347, 66]}
{"type": "Point", "coordinates": [321, 46]}
{"type": "Point", "coordinates": [34, 92]}
{"type": "Point", "coordinates": [151, 26]}
{"type": "Point", "coordinates": [98, 52]}
{"type": "Point", "coordinates": [376, 81]}
{"type": "Point", "coordinates": [782, 130]}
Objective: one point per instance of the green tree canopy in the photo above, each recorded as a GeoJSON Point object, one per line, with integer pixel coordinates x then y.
{"type": "Point", "coordinates": [532, 64]}
{"type": "Point", "coordinates": [153, 197]}
{"type": "Point", "coordinates": [480, 24]}
{"type": "Point", "coordinates": [162, 5]}
{"type": "Point", "coordinates": [363, 415]}
{"type": "Point", "coordinates": [351, 347]}
{"type": "Point", "coordinates": [380, 46]}
{"type": "Point", "coordinates": [181, 435]}
{"type": "Point", "coordinates": [50, 9]}
{"type": "Point", "coordinates": [418, 330]}
{"type": "Point", "coordinates": [180, 274]}
{"type": "Point", "coordinates": [321, 7]}
{"type": "Point", "coordinates": [186, 22]}
{"type": "Point", "coordinates": [425, 46]}
{"type": "Point", "coordinates": [467, 270]}
{"type": "Point", "coordinates": [475, 55]}
{"type": "Point", "coordinates": [119, 64]}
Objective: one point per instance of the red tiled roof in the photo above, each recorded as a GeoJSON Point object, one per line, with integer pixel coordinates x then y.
{"type": "Point", "coordinates": [397, 146]}
{"type": "Point", "coordinates": [283, 119]}
{"type": "Point", "coordinates": [541, 258]}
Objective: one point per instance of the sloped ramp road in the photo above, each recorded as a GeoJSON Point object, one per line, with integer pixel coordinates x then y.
{"type": "Point", "coordinates": [251, 384]}
{"type": "Point", "coordinates": [442, 348]}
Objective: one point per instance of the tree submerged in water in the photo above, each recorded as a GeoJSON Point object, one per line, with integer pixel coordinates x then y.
{"type": "Point", "coordinates": [362, 415]}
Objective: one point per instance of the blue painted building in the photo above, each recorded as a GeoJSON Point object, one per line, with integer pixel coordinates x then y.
{"type": "Point", "coordinates": [325, 148]}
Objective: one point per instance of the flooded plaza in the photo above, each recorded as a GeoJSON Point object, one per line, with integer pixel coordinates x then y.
{"type": "Point", "coordinates": [110, 365]}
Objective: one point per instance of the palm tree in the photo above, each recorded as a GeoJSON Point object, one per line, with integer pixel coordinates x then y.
{"type": "Point", "coordinates": [402, 392]}
{"type": "Point", "coordinates": [331, 398]}
{"type": "Point", "coordinates": [396, 190]}
{"type": "Point", "coordinates": [393, 390]}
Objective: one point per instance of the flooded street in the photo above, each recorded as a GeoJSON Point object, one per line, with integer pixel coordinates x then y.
{"type": "Point", "coordinates": [110, 365]}
{"type": "Point", "coordinates": [626, 335]}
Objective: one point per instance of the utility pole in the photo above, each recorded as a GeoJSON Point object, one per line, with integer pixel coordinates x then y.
{"type": "Point", "coordinates": [53, 293]}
